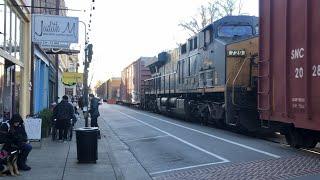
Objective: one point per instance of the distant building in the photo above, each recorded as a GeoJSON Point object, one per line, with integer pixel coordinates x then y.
{"type": "Point", "coordinates": [110, 90]}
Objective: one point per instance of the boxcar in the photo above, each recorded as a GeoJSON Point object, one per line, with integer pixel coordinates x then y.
{"type": "Point", "coordinates": [113, 90]}
{"type": "Point", "coordinates": [289, 68]}
{"type": "Point", "coordinates": [132, 81]}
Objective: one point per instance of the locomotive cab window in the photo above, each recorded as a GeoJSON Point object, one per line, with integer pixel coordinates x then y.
{"type": "Point", "coordinates": [208, 36]}
{"type": "Point", "coordinates": [235, 31]}
{"type": "Point", "coordinates": [195, 45]}
{"type": "Point", "coordinates": [190, 44]}
{"type": "Point", "coordinates": [257, 29]}
{"type": "Point", "coordinates": [184, 49]}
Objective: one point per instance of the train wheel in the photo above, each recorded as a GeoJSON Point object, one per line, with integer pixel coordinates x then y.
{"type": "Point", "coordinates": [300, 139]}
{"type": "Point", "coordinates": [293, 138]}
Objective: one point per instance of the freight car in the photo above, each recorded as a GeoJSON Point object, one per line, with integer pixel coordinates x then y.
{"type": "Point", "coordinates": [132, 85]}
{"type": "Point", "coordinates": [113, 90]}
{"type": "Point", "coordinates": [212, 77]}
{"type": "Point", "coordinates": [289, 69]}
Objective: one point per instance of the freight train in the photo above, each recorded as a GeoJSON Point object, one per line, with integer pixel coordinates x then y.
{"type": "Point", "coordinates": [226, 75]}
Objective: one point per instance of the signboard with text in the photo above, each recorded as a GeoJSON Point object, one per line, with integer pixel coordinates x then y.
{"type": "Point", "coordinates": [72, 78]}
{"type": "Point", "coordinates": [33, 128]}
{"type": "Point", "coordinates": [51, 31]}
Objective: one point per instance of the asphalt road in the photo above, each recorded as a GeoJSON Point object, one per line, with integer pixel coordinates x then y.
{"type": "Point", "coordinates": [168, 148]}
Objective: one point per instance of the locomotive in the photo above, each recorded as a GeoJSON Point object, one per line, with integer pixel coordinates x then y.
{"type": "Point", "coordinates": [211, 77]}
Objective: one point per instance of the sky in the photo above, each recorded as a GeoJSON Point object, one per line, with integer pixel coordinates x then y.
{"type": "Point", "coordinates": [124, 30]}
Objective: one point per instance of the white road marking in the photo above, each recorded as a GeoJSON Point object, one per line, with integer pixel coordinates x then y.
{"type": "Point", "coordinates": [146, 138]}
{"type": "Point", "coordinates": [223, 160]}
{"type": "Point", "coordinates": [183, 168]}
{"type": "Point", "coordinates": [213, 136]}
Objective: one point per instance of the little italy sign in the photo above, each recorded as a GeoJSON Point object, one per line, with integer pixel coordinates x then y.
{"type": "Point", "coordinates": [54, 31]}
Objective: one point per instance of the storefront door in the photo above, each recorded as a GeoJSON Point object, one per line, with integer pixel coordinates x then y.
{"type": "Point", "coordinates": [8, 92]}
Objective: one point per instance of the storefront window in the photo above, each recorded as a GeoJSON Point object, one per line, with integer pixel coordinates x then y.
{"type": "Point", "coordinates": [18, 38]}
{"type": "Point", "coordinates": [10, 31]}
{"type": "Point", "coordinates": [1, 24]}
{"type": "Point", "coordinates": [7, 32]}
{"type": "Point", "coordinates": [13, 34]}
{"type": "Point", "coordinates": [1, 87]}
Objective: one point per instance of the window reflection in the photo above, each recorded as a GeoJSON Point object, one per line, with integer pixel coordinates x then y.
{"type": "Point", "coordinates": [18, 38]}
{"type": "Point", "coordinates": [10, 30]}
{"type": "Point", "coordinates": [1, 24]}
{"type": "Point", "coordinates": [13, 34]}
{"type": "Point", "coordinates": [7, 33]}
{"type": "Point", "coordinates": [1, 86]}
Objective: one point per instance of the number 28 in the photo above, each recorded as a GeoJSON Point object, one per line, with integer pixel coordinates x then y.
{"type": "Point", "coordinates": [316, 71]}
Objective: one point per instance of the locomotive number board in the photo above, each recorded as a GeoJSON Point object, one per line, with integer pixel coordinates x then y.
{"type": "Point", "coordinates": [236, 53]}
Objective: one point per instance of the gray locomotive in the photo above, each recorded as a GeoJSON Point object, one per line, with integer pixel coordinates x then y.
{"type": "Point", "coordinates": [212, 77]}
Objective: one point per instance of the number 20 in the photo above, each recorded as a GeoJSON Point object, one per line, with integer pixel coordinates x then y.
{"type": "Point", "coordinates": [299, 73]}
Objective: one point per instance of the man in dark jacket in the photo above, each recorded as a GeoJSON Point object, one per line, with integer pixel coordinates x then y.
{"type": "Point", "coordinates": [94, 110]}
{"type": "Point", "coordinates": [63, 113]}
{"type": "Point", "coordinates": [17, 136]}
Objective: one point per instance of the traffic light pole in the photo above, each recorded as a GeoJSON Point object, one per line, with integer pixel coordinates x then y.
{"type": "Point", "coordinates": [85, 88]}
{"type": "Point", "coordinates": [85, 77]}
{"type": "Point", "coordinates": [87, 60]}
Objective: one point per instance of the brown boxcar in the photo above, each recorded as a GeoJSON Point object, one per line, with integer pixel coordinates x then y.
{"type": "Point", "coordinates": [289, 68]}
{"type": "Point", "coordinates": [132, 81]}
{"type": "Point", "coordinates": [113, 90]}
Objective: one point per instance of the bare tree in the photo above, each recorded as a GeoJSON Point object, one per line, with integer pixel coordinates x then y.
{"type": "Point", "coordinates": [211, 12]}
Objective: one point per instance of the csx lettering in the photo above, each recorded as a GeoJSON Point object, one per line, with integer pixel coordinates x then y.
{"type": "Point", "coordinates": [297, 53]}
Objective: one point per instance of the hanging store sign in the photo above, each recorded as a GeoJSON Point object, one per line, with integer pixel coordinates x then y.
{"type": "Point", "coordinates": [72, 78]}
{"type": "Point", "coordinates": [54, 31]}
{"type": "Point", "coordinates": [53, 44]}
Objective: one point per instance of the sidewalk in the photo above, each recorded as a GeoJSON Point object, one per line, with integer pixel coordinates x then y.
{"type": "Point", "coordinates": [57, 161]}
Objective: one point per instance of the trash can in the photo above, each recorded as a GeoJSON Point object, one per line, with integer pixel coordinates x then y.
{"type": "Point", "coordinates": [87, 144]}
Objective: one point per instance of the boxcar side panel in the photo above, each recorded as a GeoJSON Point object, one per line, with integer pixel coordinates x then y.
{"type": "Point", "coordinates": [289, 75]}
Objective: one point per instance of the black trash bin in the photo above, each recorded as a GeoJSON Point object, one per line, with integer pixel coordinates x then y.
{"type": "Point", "coordinates": [87, 144]}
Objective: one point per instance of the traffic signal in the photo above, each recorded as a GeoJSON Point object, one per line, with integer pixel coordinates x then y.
{"type": "Point", "coordinates": [90, 52]}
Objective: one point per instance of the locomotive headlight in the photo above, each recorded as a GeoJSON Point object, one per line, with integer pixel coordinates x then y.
{"type": "Point", "coordinates": [236, 53]}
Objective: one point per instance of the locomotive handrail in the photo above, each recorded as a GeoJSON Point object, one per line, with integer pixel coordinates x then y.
{"type": "Point", "coordinates": [234, 81]}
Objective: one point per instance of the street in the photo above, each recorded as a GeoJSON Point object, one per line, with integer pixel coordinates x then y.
{"type": "Point", "coordinates": [173, 149]}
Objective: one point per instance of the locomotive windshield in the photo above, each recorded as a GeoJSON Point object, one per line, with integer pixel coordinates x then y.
{"type": "Point", "coordinates": [235, 31]}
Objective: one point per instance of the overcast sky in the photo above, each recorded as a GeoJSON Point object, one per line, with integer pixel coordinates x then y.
{"type": "Point", "coordinates": [124, 30]}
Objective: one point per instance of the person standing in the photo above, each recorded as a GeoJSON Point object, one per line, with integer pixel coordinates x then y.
{"type": "Point", "coordinates": [80, 102]}
{"type": "Point", "coordinates": [94, 110]}
{"type": "Point", "coordinates": [63, 113]}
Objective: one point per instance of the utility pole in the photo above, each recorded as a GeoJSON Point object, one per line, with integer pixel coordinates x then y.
{"type": "Point", "coordinates": [57, 60]}
{"type": "Point", "coordinates": [88, 57]}
{"type": "Point", "coordinates": [32, 68]}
